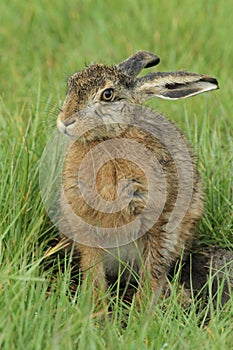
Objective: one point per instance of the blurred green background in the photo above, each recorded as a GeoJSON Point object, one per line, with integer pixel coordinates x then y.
{"type": "Point", "coordinates": [46, 41]}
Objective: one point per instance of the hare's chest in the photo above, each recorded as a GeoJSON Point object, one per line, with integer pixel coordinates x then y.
{"type": "Point", "coordinates": [107, 194]}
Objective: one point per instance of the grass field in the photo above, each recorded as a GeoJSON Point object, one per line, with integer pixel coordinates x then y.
{"type": "Point", "coordinates": [41, 43]}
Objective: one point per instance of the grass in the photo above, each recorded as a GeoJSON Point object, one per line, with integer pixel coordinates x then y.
{"type": "Point", "coordinates": [41, 43]}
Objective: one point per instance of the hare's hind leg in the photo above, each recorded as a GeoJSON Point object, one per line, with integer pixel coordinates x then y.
{"type": "Point", "coordinates": [91, 263]}
{"type": "Point", "coordinates": [153, 270]}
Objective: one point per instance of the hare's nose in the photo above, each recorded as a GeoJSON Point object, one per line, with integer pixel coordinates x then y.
{"type": "Point", "coordinates": [68, 122]}
{"type": "Point", "coordinates": [62, 125]}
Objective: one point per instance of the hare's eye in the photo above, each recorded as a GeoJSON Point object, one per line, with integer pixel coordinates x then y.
{"type": "Point", "coordinates": [107, 95]}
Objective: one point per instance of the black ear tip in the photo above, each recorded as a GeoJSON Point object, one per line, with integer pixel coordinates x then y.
{"type": "Point", "coordinates": [211, 80]}
{"type": "Point", "coordinates": [153, 62]}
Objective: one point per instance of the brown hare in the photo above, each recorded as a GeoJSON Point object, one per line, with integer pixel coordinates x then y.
{"type": "Point", "coordinates": [127, 216]}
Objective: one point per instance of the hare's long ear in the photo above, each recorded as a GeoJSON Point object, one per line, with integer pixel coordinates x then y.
{"type": "Point", "coordinates": [173, 86]}
{"type": "Point", "coordinates": [133, 65]}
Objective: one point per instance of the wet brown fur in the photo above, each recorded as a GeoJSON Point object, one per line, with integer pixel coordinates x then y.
{"type": "Point", "coordinates": [157, 249]}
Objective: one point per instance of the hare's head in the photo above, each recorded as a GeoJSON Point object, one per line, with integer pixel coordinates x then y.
{"type": "Point", "coordinates": [103, 85]}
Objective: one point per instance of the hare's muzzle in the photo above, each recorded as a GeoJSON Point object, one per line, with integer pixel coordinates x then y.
{"type": "Point", "coordinates": [64, 125]}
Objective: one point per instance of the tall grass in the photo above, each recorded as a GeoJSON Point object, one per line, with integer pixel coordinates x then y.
{"type": "Point", "coordinates": [41, 43]}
